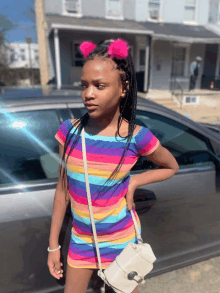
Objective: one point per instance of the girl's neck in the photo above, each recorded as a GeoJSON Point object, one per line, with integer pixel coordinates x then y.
{"type": "Point", "coordinates": [104, 122]}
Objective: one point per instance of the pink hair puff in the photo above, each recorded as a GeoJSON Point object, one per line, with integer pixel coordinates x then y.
{"type": "Point", "coordinates": [118, 49]}
{"type": "Point", "coordinates": [86, 48]}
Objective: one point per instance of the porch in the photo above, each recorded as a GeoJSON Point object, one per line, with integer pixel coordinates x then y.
{"type": "Point", "coordinates": [65, 35]}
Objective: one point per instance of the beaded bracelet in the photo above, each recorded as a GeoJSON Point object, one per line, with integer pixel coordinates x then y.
{"type": "Point", "coordinates": [48, 249]}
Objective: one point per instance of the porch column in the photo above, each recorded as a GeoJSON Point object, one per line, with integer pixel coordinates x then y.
{"type": "Point", "coordinates": [146, 70]}
{"type": "Point", "coordinates": [57, 57]}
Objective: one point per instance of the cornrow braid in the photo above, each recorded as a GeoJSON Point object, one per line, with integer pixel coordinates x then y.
{"type": "Point", "coordinates": [127, 105]}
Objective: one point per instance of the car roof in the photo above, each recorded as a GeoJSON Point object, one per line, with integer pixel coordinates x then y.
{"type": "Point", "coordinates": [39, 96]}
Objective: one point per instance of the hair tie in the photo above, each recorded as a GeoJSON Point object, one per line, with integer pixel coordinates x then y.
{"type": "Point", "coordinates": [118, 49]}
{"type": "Point", "coordinates": [86, 48]}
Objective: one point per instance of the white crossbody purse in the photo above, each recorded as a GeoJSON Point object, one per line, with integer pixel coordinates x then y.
{"type": "Point", "coordinates": [133, 263]}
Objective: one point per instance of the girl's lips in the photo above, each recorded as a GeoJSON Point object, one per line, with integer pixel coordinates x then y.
{"type": "Point", "coordinates": [92, 107]}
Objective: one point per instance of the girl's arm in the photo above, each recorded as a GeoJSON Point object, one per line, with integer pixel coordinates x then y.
{"type": "Point", "coordinates": [162, 157]}
{"type": "Point", "coordinates": [59, 209]}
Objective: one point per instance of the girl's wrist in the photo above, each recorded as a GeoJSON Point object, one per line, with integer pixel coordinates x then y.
{"type": "Point", "coordinates": [133, 184]}
{"type": "Point", "coordinates": [53, 244]}
{"type": "Point", "coordinates": [55, 249]}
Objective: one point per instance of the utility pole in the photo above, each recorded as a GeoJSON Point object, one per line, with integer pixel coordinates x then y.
{"type": "Point", "coordinates": [29, 41]}
{"type": "Point", "coordinates": [42, 41]}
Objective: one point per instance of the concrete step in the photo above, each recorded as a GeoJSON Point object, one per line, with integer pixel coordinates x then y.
{"type": "Point", "coordinates": [170, 104]}
{"type": "Point", "coordinates": [165, 100]}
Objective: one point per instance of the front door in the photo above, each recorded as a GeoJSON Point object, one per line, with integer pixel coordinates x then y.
{"type": "Point", "coordinates": [140, 69]}
{"type": "Point", "coordinates": [208, 76]}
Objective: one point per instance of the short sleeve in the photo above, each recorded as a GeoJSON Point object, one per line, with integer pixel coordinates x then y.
{"type": "Point", "coordinates": [62, 132]}
{"type": "Point", "coordinates": [146, 142]}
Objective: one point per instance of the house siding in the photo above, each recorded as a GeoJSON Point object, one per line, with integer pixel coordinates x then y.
{"type": "Point", "coordinates": [129, 9]}
{"type": "Point", "coordinates": [53, 6]}
{"type": "Point", "coordinates": [213, 11]}
{"type": "Point", "coordinates": [203, 8]}
{"type": "Point", "coordinates": [141, 10]}
{"type": "Point", "coordinates": [93, 8]}
{"type": "Point", "coordinates": [172, 11]}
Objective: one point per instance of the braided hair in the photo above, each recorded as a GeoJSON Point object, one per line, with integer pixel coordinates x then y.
{"type": "Point", "coordinates": [127, 104]}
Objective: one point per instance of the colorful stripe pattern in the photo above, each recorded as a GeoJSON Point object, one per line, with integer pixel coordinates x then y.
{"type": "Point", "coordinates": [114, 224]}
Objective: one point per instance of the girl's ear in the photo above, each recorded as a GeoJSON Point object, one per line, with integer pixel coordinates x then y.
{"type": "Point", "coordinates": [125, 89]}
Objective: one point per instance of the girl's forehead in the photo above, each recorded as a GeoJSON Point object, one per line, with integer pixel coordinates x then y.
{"type": "Point", "coordinates": [100, 65]}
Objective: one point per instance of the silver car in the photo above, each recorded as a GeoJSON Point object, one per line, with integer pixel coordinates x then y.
{"type": "Point", "coordinates": [180, 217]}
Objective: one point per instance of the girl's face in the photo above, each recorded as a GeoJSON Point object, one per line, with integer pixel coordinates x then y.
{"type": "Point", "coordinates": [102, 88]}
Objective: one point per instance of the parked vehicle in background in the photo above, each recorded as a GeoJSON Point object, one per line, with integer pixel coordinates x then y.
{"type": "Point", "coordinates": [179, 217]}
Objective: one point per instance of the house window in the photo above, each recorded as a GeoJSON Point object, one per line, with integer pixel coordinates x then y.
{"type": "Point", "coordinates": [178, 61]}
{"type": "Point", "coordinates": [190, 9]}
{"type": "Point", "coordinates": [154, 9]}
{"type": "Point", "coordinates": [36, 55]}
{"type": "Point", "coordinates": [78, 58]}
{"type": "Point", "coordinates": [23, 57]}
{"type": "Point", "coordinates": [12, 56]}
{"type": "Point", "coordinates": [114, 8]}
{"type": "Point", "coordinates": [73, 6]}
{"type": "Point", "coordinates": [142, 58]}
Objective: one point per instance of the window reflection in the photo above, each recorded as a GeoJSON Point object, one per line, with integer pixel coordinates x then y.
{"type": "Point", "coordinates": [28, 148]}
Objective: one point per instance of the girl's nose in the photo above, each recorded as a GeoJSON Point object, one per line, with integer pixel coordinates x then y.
{"type": "Point", "coordinates": [90, 92]}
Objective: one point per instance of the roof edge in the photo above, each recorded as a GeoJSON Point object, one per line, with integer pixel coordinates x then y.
{"type": "Point", "coordinates": [186, 39]}
{"type": "Point", "coordinates": [99, 29]}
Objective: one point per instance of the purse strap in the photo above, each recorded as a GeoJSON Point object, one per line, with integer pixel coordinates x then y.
{"type": "Point", "coordinates": [90, 203]}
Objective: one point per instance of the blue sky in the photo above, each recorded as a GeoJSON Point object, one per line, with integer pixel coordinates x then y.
{"type": "Point", "coordinates": [18, 12]}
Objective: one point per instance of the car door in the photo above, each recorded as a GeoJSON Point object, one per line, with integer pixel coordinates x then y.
{"type": "Point", "coordinates": [179, 216]}
{"type": "Point", "coordinates": [29, 160]}
{"type": "Point", "coordinates": [182, 223]}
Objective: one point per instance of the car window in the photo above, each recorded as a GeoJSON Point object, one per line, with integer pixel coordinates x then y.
{"type": "Point", "coordinates": [28, 148]}
{"type": "Point", "coordinates": [78, 112]}
{"type": "Point", "coordinates": [64, 114]}
{"type": "Point", "coordinates": [187, 146]}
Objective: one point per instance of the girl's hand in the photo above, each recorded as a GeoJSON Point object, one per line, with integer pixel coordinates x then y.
{"type": "Point", "coordinates": [130, 195]}
{"type": "Point", "coordinates": [54, 264]}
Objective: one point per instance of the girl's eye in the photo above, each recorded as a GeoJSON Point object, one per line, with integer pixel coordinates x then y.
{"type": "Point", "coordinates": [83, 86]}
{"type": "Point", "coordinates": [100, 85]}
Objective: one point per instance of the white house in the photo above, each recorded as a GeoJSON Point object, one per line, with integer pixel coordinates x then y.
{"type": "Point", "coordinates": [23, 64]}
{"type": "Point", "coordinates": [23, 55]}
{"type": "Point", "coordinates": [165, 37]}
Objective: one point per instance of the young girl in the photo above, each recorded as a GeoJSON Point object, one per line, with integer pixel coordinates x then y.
{"type": "Point", "coordinates": [113, 144]}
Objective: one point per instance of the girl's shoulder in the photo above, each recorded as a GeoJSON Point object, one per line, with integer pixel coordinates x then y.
{"type": "Point", "coordinates": [73, 121]}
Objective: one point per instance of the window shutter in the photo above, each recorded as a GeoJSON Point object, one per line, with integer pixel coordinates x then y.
{"type": "Point", "coordinates": [72, 6]}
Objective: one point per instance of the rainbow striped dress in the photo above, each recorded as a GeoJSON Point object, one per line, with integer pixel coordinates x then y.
{"type": "Point", "coordinates": [114, 223]}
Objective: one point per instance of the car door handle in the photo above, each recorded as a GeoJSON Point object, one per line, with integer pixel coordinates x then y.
{"type": "Point", "coordinates": [144, 199]}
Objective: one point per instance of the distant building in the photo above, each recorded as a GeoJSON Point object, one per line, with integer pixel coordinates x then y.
{"type": "Point", "coordinates": [22, 64]}
{"type": "Point", "coordinates": [165, 37]}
